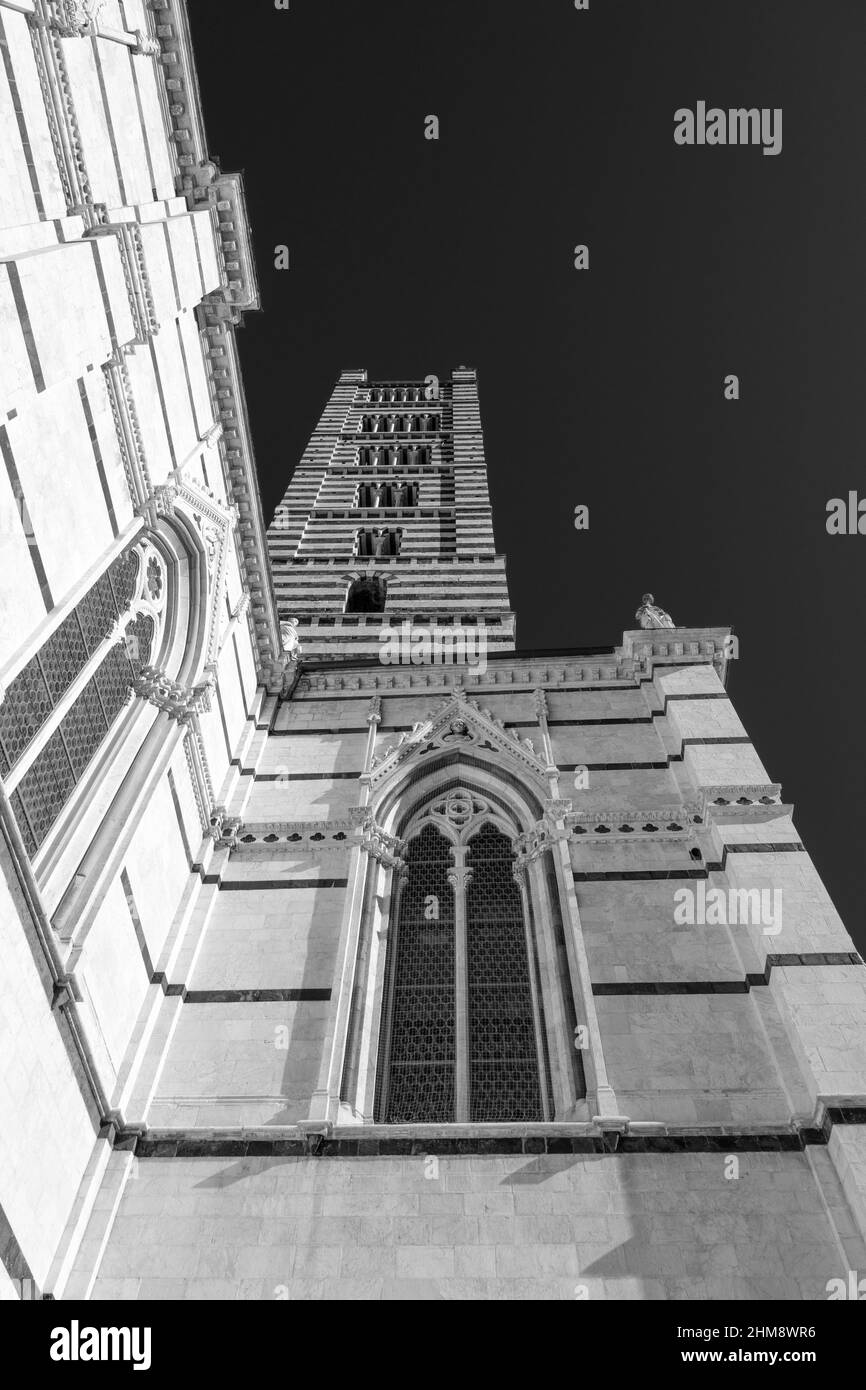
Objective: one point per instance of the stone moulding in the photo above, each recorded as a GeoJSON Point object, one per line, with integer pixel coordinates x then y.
{"type": "Point", "coordinates": [267, 839]}
{"type": "Point", "coordinates": [444, 679]}
{"type": "Point", "coordinates": [743, 802]}
{"type": "Point", "coordinates": [615, 1135]}
{"type": "Point", "coordinates": [139, 289]}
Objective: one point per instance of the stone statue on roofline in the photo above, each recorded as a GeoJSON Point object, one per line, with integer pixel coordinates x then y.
{"type": "Point", "coordinates": [649, 616]}
{"type": "Point", "coordinates": [290, 640]}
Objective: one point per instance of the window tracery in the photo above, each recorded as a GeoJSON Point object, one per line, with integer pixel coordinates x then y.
{"type": "Point", "coordinates": [459, 1001]}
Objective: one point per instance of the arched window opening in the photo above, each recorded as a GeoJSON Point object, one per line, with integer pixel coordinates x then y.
{"type": "Point", "coordinates": [503, 1053]}
{"type": "Point", "coordinates": [461, 1037]}
{"type": "Point", "coordinates": [46, 787]}
{"type": "Point", "coordinates": [418, 1071]}
{"type": "Point", "coordinates": [38, 689]}
{"type": "Point", "coordinates": [367, 596]}
{"type": "Point", "coordinates": [60, 708]}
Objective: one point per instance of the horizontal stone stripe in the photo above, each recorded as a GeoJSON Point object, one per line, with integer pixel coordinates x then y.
{"type": "Point", "coordinates": [764, 847]}
{"type": "Point", "coordinates": [638, 875]}
{"type": "Point", "coordinates": [18, 495]}
{"type": "Point", "coordinates": [257, 996]}
{"type": "Point", "coordinates": [658, 875]}
{"type": "Point", "coordinates": [621, 987]}
{"type": "Point", "coordinates": [355, 729]}
{"type": "Point", "coordinates": [509, 724]}
{"type": "Point", "coordinates": [251, 885]}
{"type": "Point", "coordinates": [305, 776]}
{"type": "Point", "coordinates": [26, 326]}
{"type": "Point", "coordinates": [239, 996]}
{"type": "Point", "coordinates": [751, 981]}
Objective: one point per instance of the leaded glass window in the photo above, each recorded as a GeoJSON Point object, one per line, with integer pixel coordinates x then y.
{"type": "Point", "coordinates": [43, 778]}
{"type": "Point", "coordinates": [503, 1057]}
{"type": "Point", "coordinates": [460, 1033]}
{"type": "Point", "coordinates": [37, 690]}
{"type": "Point", "coordinates": [48, 784]}
{"type": "Point", "coordinates": [420, 1066]}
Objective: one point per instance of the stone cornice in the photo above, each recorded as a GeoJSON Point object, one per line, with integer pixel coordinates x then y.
{"type": "Point", "coordinates": [627, 666]}
{"type": "Point", "coordinates": [206, 187]}
{"type": "Point", "coordinates": [520, 676]}
{"type": "Point", "coordinates": [672, 646]}
{"type": "Point", "coordinates": [239, 471]}
{"type": "Point", "coordinates": [200, 179]}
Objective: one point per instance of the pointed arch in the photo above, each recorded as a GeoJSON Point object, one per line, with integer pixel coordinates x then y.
{"type": "Point", "coordinates": [458, 789]}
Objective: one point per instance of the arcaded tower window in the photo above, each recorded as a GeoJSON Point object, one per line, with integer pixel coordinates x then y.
{"type": "Point", "coordinates": [379, 544]}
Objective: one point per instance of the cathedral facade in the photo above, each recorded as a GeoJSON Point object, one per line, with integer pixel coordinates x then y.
{"type": "Point", "coordinates": [350, 950]}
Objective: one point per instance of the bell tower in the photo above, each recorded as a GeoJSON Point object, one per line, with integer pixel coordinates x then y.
{"type": "Point", "coordinates": [387, 521]}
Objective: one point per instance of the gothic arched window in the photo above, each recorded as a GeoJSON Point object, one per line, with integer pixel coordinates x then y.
{"type": "Point", "coordinates": [460, 1037]}
{"type": "Point", "coordinates": [503, 1054]}
{"type": "Point", "coordinates": [419, 1037]}
{"type": "Point", "coordinates": [61, 706]}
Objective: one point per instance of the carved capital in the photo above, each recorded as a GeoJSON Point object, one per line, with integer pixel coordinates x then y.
{"type": "Point", "coordinates": [460, 877]}
{"type": "Point", "coordinates": [180, 702]}
{"type": "Point", "coordinates": [224, 829]}
{"type": "Point", "coordinates": [282, 676]}
{"type": "Point", "coordinates": [383, 847]}
{"type": "Point", "coordinates": [160, 504]}
{"type": "Point", "coordinates": [534, 843]}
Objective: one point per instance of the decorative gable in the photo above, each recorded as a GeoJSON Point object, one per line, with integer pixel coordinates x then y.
{"type": "Point", "coordinates": [462, 724]}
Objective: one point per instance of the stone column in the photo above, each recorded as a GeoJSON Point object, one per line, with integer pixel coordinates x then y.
{"type": "Point", "coordinates": [537, 990]}
{"type": "Point", "coordinates": [460, 877]}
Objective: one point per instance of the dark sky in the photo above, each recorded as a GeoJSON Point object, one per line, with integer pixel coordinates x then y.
{"type": "Point", "coordinates": [602, 387]}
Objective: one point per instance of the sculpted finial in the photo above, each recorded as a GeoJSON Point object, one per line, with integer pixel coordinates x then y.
{"type": "Point", "coordinates": [650, 616]}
